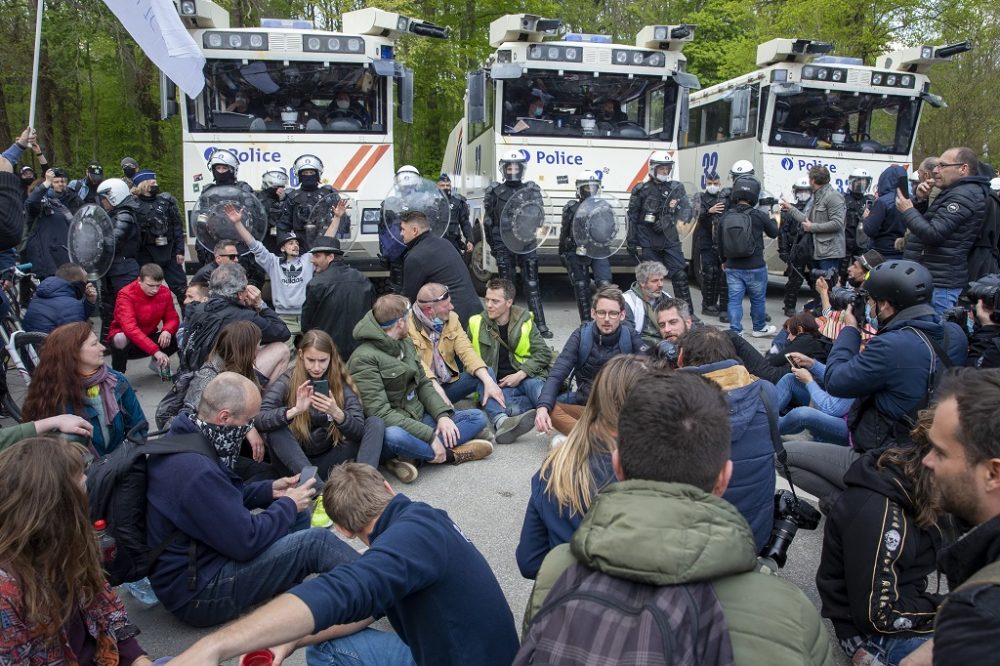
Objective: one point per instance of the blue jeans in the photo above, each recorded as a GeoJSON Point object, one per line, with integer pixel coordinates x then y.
{"type": "Point", "coordinates": [943, 299]}
{"type": "Point", "coordinates": [791, 392]}
{"type": "Point", "coordinates": [524, 396]}
{"type": "Point", "coordinates": [893, 649]}
{"type": "Point", "coordinates": [466, 385]}
{"type": "Point", "coordinates": [399, 442]}
{"type": "Point", "coordinates": [368, 647]}
{"type": "Point", "coordinates": [751, 281]}
{"type": "Point", "coordinates": [827, 264]}
{"type": "Point", "coordinates": [284, 564]}
{"type": "Point", "coordinates": [822, 427]}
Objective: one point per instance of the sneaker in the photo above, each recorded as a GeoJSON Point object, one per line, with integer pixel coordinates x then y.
{"type": "Point", "coordinates": [142, 591]}
{"type": "Point", "coordinates": [474, 449]}
{"type": "Point", "coordinates": [403, 470]}
{"type": "Point", "coordinates": [319, 517]}
{"type": "Point", "coordinates": [766, 333]}
{"type": "Point", "coordinates": [513, 427]}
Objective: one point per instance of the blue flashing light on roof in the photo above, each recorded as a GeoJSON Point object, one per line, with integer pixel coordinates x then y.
{"type": "Point", "coordinates": [586, 37]}
{"type": "Point", "coordinates": [837, 60]}
{"type": "Point", "coordinates": [293, 24]}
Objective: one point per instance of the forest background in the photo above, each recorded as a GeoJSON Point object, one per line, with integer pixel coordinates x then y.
{"type": "Point", "coordinates": [98, 94]}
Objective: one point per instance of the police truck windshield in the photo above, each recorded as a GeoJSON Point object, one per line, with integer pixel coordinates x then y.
{"type": "Point", "coordinates": [845, 121]}
{"type": "Point", "coordinates": [272, 96]}
{"type": "Point", "coordinates": [579, 104]}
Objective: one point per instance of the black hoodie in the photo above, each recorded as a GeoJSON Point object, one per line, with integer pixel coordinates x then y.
{"type": "Point", "coordinates": [872, 576]}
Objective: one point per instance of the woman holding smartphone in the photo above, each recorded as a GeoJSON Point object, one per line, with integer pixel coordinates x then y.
{"type": "Point", "coordinates": [312, 413]}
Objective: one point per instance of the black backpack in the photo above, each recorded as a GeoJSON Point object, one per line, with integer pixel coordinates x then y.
{"type": "Point", "coordinates": [590, 617]}
{"type": "Point", "coordinates": [171, 404]}
{"type": "Point", "coordinates": [199, 338]}
{"type": "Point", "coordinates": [116, 491]}
{"type": "Point", "coordinates": [736, 231]}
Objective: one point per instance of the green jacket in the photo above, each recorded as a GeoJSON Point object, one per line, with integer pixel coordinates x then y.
{"type": "Point", "coordinates": [539, 358]}
{"type": "Point", "coordinates": [392, 382]}
{"type": "Point", "coordinates": [10, 435]}
{"type": "Point", "coordinates": [671, 533]}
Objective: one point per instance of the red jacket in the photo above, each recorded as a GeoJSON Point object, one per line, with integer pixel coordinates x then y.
{"type": "Point", "coordinates": [138, 316]}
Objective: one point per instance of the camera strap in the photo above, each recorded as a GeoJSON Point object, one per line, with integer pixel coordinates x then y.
{"type": "Point", "coordinates": [780, 454]}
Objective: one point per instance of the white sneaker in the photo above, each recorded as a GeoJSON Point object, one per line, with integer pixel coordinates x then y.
{"type": "Point", "coordinates": [766, 333]}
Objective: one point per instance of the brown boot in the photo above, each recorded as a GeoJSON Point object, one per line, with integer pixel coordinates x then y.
{"type": "Point", "coordinates": [474, 449]}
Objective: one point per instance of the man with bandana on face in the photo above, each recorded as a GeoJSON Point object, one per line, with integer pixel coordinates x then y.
{"type": "Point", "coordinates": [206, 575]}
{"type": "Point", "coordinates": [129, 168]}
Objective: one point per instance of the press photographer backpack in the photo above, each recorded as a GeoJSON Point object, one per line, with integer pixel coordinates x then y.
{"type": "Point", "coordinates": [669, 624]}
{"type": "Point", "coordinates": [736, 232]}
{"type": "Point", "coordinates": [116, 492]}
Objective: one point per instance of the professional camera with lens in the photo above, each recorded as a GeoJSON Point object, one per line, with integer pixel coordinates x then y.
{"type": "Point", "coordinates": [842, 298]}
{"type": "Point", "coordinates": [987, 290]}
{"type": "Point", "coordinates": [790, 514]}
{"type": "Point", "coordinates": [959, 315]}
{"type": "Point", "coordinates": [829, 274]}
{"type": "Point", "coordinates": [666, 350]}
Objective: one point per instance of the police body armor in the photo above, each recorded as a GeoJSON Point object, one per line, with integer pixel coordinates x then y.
{"type": "Point", "coordinates": [656, 225]}
{"type": "Point", "coordinates": [156, 226]}
{"type": "Point", "coordinates": [255, 275]}
{"type": "Point", "coordinates": [299, 206]}
{"type": "Point", "coordinates": [459, 207]}
{"type": "Point", "coordinates": [276, 212]}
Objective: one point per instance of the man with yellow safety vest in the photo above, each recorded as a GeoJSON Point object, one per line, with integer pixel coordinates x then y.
{"type": "Point", "coordinates": [506, 338]}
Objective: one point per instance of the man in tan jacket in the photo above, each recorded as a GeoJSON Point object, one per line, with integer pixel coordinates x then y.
{"type": "Point", "coordinates": [454, 366]}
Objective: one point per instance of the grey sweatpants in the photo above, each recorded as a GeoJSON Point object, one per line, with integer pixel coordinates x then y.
{"type": "Point", "coordinates": [817, 467]}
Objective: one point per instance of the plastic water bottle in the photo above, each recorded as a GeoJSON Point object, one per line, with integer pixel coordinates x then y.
{"type": "Point", "coordinates": [105, 542]}
{"type": "Point", "coordinates": [142, 591]}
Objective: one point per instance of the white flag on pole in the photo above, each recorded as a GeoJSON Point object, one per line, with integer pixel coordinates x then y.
{"type": "Point", "coordinates": [157, 29]}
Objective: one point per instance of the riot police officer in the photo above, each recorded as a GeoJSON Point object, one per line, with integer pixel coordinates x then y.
{"type": "Point", "coordinates": [390, 239]}
{"type": "Point", "coordinates": [794, 245]}
{"type": "Point", "coordinates": [574, 258]}
{"type": "Point", "coordinates": [300, 202]}
{"type": "Point", "coordinates": [114, 196]}
{"type": "Point", "coordinates": [225, 167]}
{"type": "Point", "coordinates": [655, 208]}
{"type": "Point", "coordinates": [714, 289]}
{"type": "Point", "coordinates": [272, 196]}
{"type": "Point", "coordinates": [458, 220]}
{"type": "Point", "coordinates": [512, 170]}
{"type": "Point", "coordinates": [161, 236]}
{"type": "Point", "coordinates": [858, 183]}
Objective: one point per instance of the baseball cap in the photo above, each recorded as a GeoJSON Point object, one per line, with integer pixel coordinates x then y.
{"type": "Point", "coordinates": [95, 169]}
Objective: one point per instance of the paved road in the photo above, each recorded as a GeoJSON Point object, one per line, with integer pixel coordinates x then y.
{"type": "Point", "coordinates": [486, 498]}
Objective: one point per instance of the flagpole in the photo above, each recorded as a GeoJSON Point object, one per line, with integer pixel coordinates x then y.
{"type": "Point", "coordinates": [34, 66]}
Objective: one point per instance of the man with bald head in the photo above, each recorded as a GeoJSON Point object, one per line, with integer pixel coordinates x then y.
{"type": "Point", "coordinates": [450, 361]}
{"type": "Point", "coordinates": [221, 557]}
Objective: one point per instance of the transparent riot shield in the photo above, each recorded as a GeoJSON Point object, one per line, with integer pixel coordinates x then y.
{"type": "Point", "coordinates": [688, 208]}
{"type": "Point", "coordinates": [322, 221]}
{"type": "Point", "coordinates": [219, 208]}
{"type": "Point", "coordinates": [91, 241]}
{"type": "Point", "coordinates": [522, 221]}
{"type": "Point", "coordinates": [423, 196]}
{"type": "Point", "coordinates": [600, 226]}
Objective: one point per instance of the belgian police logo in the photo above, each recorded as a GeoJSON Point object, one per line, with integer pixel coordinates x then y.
{"type": "Point", "coordinates": [525, 154]}
{"type": "Point", "coordinates": [787, 163]}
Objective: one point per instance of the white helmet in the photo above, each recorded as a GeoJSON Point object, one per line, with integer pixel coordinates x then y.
{"type": "Point", "coordinates": [660, 158]}
{"type": "Point", "coordinates": [589, 180]}
{"type": "Point", "coordinates": [995, 184]}
{"type": "Point", "coordinates": [741, 168]}
{"type": "Point", "coordinates": [858, 175]}
{"type": "Point", "coordinates": [914, 177]}
{"type": "Point", "coordinates": [289, 116]}
{"type": "Point", "coordinates": [307, 162]}
{"type": "Point", "coordinates": [801, 184]}
{"type": "Point", "coordinates": [274, 179]}
{"type": "Point", "coordinates": [115, 190]}
{"type": "Point", "coordinates": [226, 158]}
{"type": "Point", "coordinates": [407, 176]}
{"type": "Point", "coordinates": [516, 158]}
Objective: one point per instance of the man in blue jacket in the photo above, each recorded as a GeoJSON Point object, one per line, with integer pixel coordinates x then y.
{"type": "Point", "coordinates": [222, 558]}
{"type": "Point", "coordinates": [436, 589]}
{"type": "Point", "coordinates": [891, 380]}
{"type": "Point", "coordinates": [883, 224]}
{"type": "Point", "coordinates": [64, 298]}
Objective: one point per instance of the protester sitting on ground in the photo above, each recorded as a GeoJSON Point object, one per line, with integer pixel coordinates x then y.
{"type": "Point", "coordinates": [71, 378]}
{"type": "Point", "coordinates": [417, 560]}
{"type": "Point", "coordinates": [311, 423]}
{"type": "Point", "coordinates": [641, 299]}
{"type": "Point", "coordinates": [880, 544]}
{"type": "Point", "coordinates": [230, 299]}
{"type": "Point", "coordinates": [506, 338]}
{"type": "Point", "coordinates": [207, 575]}
{"type": "Point", "coordinates": [801, 334]}
{"type": "Point", "coordinates": [394, 386]}
{"type": "Point", "coordinates": [663, 534]}
{"type": "Point", "coordinates": [673, 319]}
{"type": "Point", "coordinates": [574, 471]}
{"type": "Point", "coordinates": [145, 322]}
{"type": "Point", "coordinates": [224, 253]}
{"type": "Point", "coordinates": [708, 352]}
{"type": "Point", "coordinates": [56, 604]}
{"type": "Point", "coordinates": [454, 366]}
{"type": "Point", "coordinates": [812, 408]}
{"type": "Point", "coordinates": [63, 298]}
{"type": "Point", "coordinates": [833, 321]}
{"type": "Point", "coordinates": [586, 351]}
{"type": "Point", "coordinates": [68, 424]}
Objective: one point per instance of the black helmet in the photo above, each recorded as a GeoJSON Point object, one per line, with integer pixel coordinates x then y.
{"type": "Point", "coordinates": [746, 188]}
{"type": "Point", "coordinates": [902, 283]}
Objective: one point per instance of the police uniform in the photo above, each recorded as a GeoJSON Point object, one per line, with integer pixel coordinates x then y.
{"type": "Point", "coordinates": [299, 205]}
{"type": "Point", "coordinates": [652, 229]}
{"type": "Point", "coordinates": [578, 264]}
{"type": "Point", "coordinates": [853, 216]}
{"type": "Point", "coordinates": [795, 250]}
{"type": "Point", "coordinates": [255, 275]}
{"type": "Point", "coordinates": [714, 288]}
{"type": "Point", "coordinates": [276, 213]}
{"type": "Point", "coordinates": [391, 248]}
{"type": "Point", "coordinates": [124, 267]}
{"type": "Point", "coordinates": [458, 222]}
{"type": "Point", "coordinates": [161, 238]}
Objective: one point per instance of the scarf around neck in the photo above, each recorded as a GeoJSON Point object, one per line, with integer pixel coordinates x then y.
{"type": "Point", "coordinates": [441, 370]}
{"type": "Point", "coordinates": [103, 383]}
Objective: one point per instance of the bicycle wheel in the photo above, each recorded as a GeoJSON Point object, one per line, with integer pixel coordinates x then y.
{"type": "Point", "coordinates": [28, 346]}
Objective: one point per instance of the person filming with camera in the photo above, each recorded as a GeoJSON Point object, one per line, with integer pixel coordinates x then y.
{"type": "Point", "coordinates": [984, 343]}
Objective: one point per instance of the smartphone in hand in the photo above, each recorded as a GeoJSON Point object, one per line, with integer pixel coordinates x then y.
{"type": "Point", "coordinates": [903, 186]}
{"type": "Point", "coordinates": [791, 360]}
{"type": "Point", "coordinates": [322, 386]}
{"type": "Point", "coordinates": [308, 472]}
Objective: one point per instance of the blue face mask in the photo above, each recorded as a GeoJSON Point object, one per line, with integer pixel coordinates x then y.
{"type": "Point", "coordinates": [539, 111]}
{"type": "Point", "coordinates": [870, 317]}
{"type": "Point", "coordinates": [438, 324]}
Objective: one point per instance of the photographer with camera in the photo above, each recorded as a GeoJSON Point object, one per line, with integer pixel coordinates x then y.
{"type": "Point", "coordinates": [891, 380]}
{"type": "Point", "coordinates": [834, 313]}
{"type": "Point", "coordinates": [984, 343]}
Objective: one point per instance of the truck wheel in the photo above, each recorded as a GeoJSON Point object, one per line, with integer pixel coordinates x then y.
{"type": "Point", "coordinates": [475, 262]}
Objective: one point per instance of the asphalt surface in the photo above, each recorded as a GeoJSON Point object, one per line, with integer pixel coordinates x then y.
{"type": "Point", "coordinates": [485, 498]}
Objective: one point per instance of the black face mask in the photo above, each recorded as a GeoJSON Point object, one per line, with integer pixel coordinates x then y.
{"type": "Point", "coordinates": [154, 190]}
{"type": "Point", "coordinates": [27, 181]}
{"type": "Point", "coordinates": [224, 178]}
{"type": "Point", "coordinates": [309, 181]}
{"type": "Point", "coordinates": [130, 171]}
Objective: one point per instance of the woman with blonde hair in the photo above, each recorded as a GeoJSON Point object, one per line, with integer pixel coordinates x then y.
{"type": "Point", "coordinates": [55, 604]}
{"type": "Point", "coordinates": [562, 490]}
{"type": "Point", "coordinates": [313, 415]}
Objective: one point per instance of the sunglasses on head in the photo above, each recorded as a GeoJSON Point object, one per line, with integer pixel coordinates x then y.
{"type": "Point", "coordinates": [443, 297]}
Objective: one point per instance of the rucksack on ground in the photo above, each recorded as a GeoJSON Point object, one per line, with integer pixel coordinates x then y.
{"type": "Point", "coordinates": [199, 338]}
{"type": "Point", "coordinates": [736, 231]}
{"type": "Point", "coordinates": [590, 617]}
{"type": "Point", "coordinates": [171, 404]}
{"type": "Point", "coordinates": [116, 492]}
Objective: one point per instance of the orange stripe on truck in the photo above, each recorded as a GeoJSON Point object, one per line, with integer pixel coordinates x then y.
{"type": "Point", "coordinates": [359, 155]}
{"type": "Point", "coordinates": [643, 170]}
{"type": "Point", "coordinates": [369, 165]}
